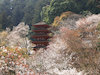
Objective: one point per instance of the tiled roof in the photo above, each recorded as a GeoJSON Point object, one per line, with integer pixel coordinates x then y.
{"type": "Point", "coordinates": [40, 23]}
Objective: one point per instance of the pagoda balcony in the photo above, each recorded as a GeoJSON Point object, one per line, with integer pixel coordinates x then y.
{"type": "Point", "coordinates": [41, 36]}
{"type": "Point", "coordinates": [40, 40]}
{"type": "Point", "coordinates": [47, 31]}
{"type": "Point", "coordinates": [40, 28]}
{"type": "Point", "coordinates": [41, 33]}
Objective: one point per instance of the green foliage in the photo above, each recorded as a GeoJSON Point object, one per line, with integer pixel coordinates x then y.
{"type": "Point", "coordinates": [28, 11]}
{"type": "Point", "coordinates": [44, 14]}
{"type": "Point", "coordinates": [84, 13]}
{"type": "Point", "coordinates": [17, 11]}
{"type": "Point", "coordinates": [57, 7]}
{"type": "Point", "coordinates": [12, 12]}
{"type": "Point", "coordinates": [5, 12]}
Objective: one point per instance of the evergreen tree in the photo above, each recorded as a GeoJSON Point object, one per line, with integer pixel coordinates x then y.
{"type": "Point", "coordinates": [16, 11]}
{"type": "Point", "coordinates": [57, 7]}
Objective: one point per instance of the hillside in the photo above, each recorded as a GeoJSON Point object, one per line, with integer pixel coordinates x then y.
{"type": "Point", "coordinates": [74, 44]}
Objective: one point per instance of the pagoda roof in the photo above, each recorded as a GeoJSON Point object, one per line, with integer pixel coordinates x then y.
{"type": "Point", "coordinates": [41, 42]}
{"type": "Point", "coordinates": [40, 23]}
{"type": "Point", "coordinates": [47, 26]}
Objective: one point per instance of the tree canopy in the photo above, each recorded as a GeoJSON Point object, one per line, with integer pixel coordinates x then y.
{"type": "Point", "coordinates": [57, 7]}
{"type": "Point", "coordinates": [12, 12]}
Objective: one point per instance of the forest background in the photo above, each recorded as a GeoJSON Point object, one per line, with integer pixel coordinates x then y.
{"type": "Point", "coordinates": [12, 12]}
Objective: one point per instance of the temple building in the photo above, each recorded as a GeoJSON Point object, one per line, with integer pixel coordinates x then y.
{"type": "Point", "coordinates": [40, 35]}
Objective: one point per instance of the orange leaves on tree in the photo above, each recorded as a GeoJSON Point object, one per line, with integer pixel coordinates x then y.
{"type": "Point", "coordinates": [63, 16]}
{"type": "Point", "coordinates": [56, 21]}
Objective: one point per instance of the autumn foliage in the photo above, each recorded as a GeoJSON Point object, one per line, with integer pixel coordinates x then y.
{"type": "Point", "coordinates": [83, 41]}
{"type": "Point", "coordinates": [63, 16]}
{"type": "Point", "coordinates": [74, 50]}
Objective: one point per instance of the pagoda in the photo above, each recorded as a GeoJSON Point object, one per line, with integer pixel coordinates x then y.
{"type": "Point", "coordinates": [40, 35]}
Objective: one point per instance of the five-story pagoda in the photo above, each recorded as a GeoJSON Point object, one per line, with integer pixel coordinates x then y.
{"type": "Point", "coordinates": [40, 35]}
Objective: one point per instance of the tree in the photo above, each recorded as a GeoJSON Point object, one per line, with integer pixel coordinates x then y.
{"type": "Point", "coordinates": [17, 11]}
{"type": "Point", "coordinates": [5, 14]}
{"type": "Point", "coordinates": [57, 7]}
{"type": "Point", "coordinates": [37, 10]}
{"type": "Point", "coordinates": [83, 41]}
{"type": "Point", "coordinates": [29, 11]}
